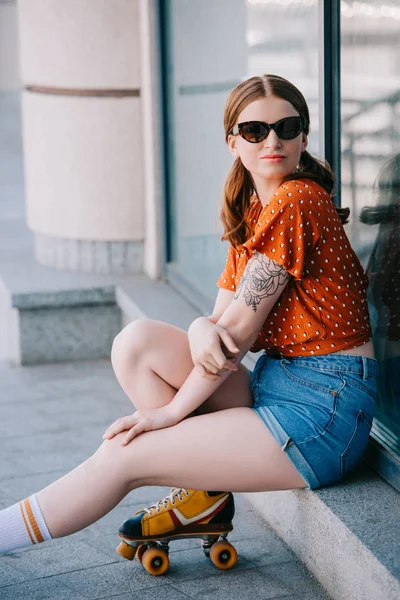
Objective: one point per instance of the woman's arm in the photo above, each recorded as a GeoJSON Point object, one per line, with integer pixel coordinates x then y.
{"type": "Point", "coordinates": [222, 301]}
{"type": "Point", "coordinates": [260, 287]}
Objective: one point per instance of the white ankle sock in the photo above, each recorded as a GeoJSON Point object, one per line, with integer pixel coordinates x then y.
{"type": "Point", "coordinates": [22, 525]}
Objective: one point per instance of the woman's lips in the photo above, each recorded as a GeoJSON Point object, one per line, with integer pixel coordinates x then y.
{"type": "Point", "coordinates": [273, 158]}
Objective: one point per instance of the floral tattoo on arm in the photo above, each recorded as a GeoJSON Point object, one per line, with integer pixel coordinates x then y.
{"type": "Point", "coordinates": [262, 277]}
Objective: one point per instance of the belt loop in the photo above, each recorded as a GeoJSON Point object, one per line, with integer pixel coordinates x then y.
{"type": "Point", "coordinates": [365, 368]}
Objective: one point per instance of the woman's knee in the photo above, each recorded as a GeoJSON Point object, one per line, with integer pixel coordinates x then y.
{"type": "Point", "coordinates": [128, 345]}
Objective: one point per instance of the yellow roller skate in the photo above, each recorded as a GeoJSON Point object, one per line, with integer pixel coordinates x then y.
{"type": "Point", "coordinates": [181, 514]}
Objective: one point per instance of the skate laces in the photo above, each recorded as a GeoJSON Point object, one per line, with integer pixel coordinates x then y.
{"type": "Point", "coordinates": [175, 492]}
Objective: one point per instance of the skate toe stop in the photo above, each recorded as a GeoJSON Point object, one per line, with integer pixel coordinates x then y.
{"type": "Point", "coordinates": [126, 551]}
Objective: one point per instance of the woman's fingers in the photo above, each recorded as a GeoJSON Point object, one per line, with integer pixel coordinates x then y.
{"type": "Point", "coordinates": [133, 432]}
{"type": "Point", "coordinates": [205, 373]}
{"type": "Point", "coordinates": [216, 355]}
{"type": "Point", "coordinates": [227, 340]}
{"type": "Point", "coordinates": [219, 362]}
{"type": "Point", "coordinates": [119, 425]}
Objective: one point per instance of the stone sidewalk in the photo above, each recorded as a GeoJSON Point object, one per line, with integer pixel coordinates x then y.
{"type": "Point", "coordinates": [52, 418]}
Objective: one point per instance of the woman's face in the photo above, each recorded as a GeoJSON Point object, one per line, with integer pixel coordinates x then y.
{"type": "Point", "coordinates": [268, 110]}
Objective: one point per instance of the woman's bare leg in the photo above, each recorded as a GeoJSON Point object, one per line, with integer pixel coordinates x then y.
{"type": "Point", "coordinates": [230, 448]}
{"type": "Point", "coordinates": [225, 450]}
{"type": "Point", "coordinates": [151, 360]}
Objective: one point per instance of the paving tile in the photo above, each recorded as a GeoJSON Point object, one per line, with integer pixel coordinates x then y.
{"type": "Point", "coordinates": [58, 425]}
{"type": "Point", "coordinates": [249, 525]}
{"type": "Point", "coordinates": [111, 522]}
{"type": "Point", "coordinates": [109, 580]}
{"type": "Point", "coordinates": [73, 442]}
{"type": "Point", "coordinates": [54, 557]}
{"type": "Point", "coordinates": [42, 375]}
{"type": "Point", "coordinates": [265, 550]}
{"type": "Point", "coordinates": [167, 592]}
{"type": "Point", "coordinates": [9, 575]}
{"type": "Point", "coordinates": [27, 463]}
{"type": "Point", "coordinates": [18, 488]}
{"type": "Point", "coordinates": [259, 583]}
{"type": "Point", "coordinates": [5, 498]}
{"type": "Point", "coordinates": [14, 395]}
{"type": "Point", "coordinates": [321, 595]}
{"type": "Point", "coordinates": [39, 589]}
{"type": "Point", "coordinates": [105, 543]}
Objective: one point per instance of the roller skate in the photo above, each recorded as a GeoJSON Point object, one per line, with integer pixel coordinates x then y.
{"type": "Point", "coordinates": [181, 514]}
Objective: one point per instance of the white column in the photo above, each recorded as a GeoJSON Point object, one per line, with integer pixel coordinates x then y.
{"type": "Point", "coordinates": [82, 132]}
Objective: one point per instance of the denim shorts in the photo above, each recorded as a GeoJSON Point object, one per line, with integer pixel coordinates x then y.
{"type": "Point", "coordinates": [319, 409]}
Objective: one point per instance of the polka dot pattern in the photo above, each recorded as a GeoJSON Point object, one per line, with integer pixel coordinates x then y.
{"type": "Point", "coordinates": [324, 307]}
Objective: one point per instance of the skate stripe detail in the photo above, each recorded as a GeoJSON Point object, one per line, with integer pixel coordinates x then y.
{"type": "Point", "coordinates": [217, 510]}
{"type": "Point", "coordinates": [33, 522]}
{"type": "Point", "coordinates": [25, 522]}
{"type": "Point", "coordinates": [206, 513]}
{"type": "Point", "coordinates": [175, 519]}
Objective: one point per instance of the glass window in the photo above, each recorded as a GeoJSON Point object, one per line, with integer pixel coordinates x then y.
{"type": "Point", "coordinates": [213, 46]}
{"type": "Point", "coordinates": [370, 84]}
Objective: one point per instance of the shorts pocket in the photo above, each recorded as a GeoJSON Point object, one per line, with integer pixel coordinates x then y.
{"type": "Point", "coordinates": [329, 382]}
{"type": "Point", "coordinates": [357, 443]}
{"type": "Point", "coordinates": [368, 386]}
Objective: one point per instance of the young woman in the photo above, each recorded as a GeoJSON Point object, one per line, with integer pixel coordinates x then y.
{"type": "Point", "coordinates": [293, 286]}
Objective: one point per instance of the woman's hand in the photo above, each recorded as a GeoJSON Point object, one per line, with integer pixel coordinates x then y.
{"type": "Point", "coordinates": [140, 421]}
{"type": "Point", "coordinates": [212, 348]}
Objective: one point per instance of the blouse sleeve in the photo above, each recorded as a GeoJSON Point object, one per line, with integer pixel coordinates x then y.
{"type": "Point", "coordinates": [228, 276]}
{"type": "Point", "coordinates": [290, 226]}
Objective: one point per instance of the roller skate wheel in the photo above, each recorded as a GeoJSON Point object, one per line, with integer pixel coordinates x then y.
{"type": "Point", "coordinates": [155, 561]}
{"type": "Point", "coordinates": [223, 555]}
{"type": "Point", "coordinates": [126, 551]}
{"type": "Point", "coordinates": [140, 551]}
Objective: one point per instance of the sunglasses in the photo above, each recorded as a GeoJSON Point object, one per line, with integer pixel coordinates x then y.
{"type": "Point", "coordinates": [257, 131]}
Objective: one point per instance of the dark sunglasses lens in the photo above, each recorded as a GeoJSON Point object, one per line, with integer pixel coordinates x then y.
{"type": "Point", "coordinates": [289, 128]}
{"type": "Point", "coordinates": [253, 132]}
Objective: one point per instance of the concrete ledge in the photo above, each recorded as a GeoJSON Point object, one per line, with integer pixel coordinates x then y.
{"type": "Point", "coordinates": [346, 534]}
{"type": "Point", "coordinates": [67, 334]}
{"type": "Point", "coordinates": [38, 328]}
{"type": "Point", "coordinates": [63, 298]}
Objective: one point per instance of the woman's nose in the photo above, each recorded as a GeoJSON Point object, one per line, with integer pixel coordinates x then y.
{"type": "Point", "coordinates": [272, 139]}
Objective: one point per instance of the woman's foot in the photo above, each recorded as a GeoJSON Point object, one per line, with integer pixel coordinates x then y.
{"type": "Point", "coordinates": [182, 513]}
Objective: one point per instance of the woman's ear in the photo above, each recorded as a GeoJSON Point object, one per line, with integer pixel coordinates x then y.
{"type": "Point", "coordinates": [304, 143]}
{"type": "Point", "coordinates": [232, 146]}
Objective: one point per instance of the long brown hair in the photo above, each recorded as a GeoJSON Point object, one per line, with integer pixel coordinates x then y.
{"type": "Point", "coordinates": [239, 185]}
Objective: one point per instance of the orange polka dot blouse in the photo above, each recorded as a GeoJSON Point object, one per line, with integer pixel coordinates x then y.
{"type": "Point", "coordinates": [324, 307]}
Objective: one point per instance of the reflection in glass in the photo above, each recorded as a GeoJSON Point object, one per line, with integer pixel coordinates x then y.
{"type": "Point", "coordinates": [383, 270]}
{"type": "Point", "coordinates": [370, 87]}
